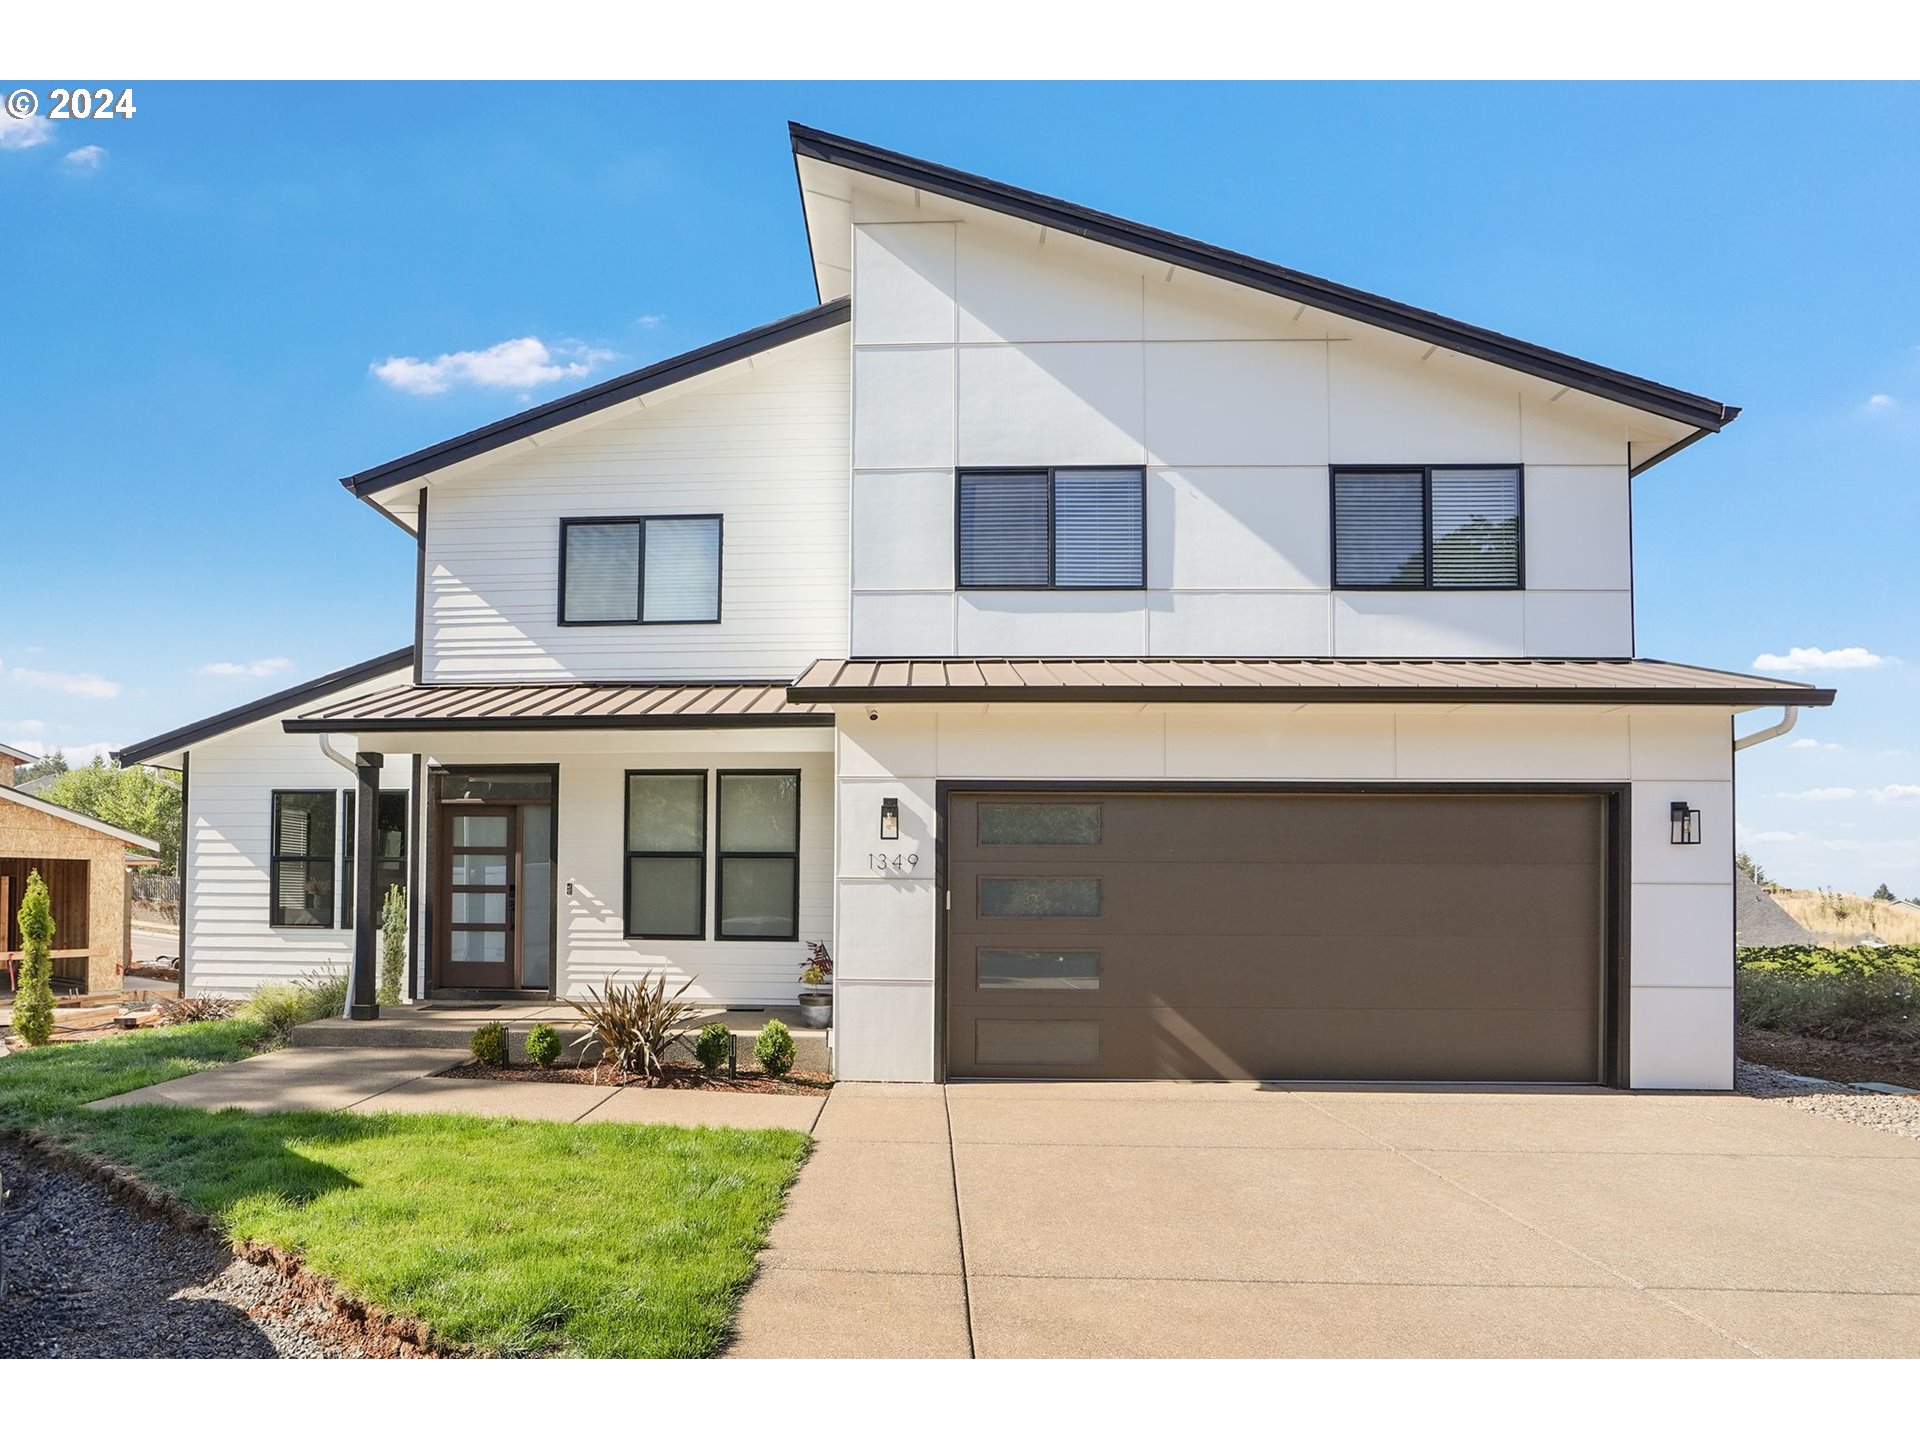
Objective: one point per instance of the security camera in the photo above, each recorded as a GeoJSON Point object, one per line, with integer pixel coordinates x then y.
{"type": "Point", "coordinates": [873, 714]}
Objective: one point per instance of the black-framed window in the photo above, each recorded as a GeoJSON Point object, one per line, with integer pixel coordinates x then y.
{"type": "Point", "coordinates": [640, 570]}
{"type": "Point", "coordinates": [300, 863]}
{"type": "Point", "coordinates": [1051, 529]}
{"type": "Point", "coordinates": [757, 894]}
{"type": "Point", "coordinates": [389, 849]}
{"type": "Point", "coordinates": [666, 882]}
{"type": "Point", "coordinates": [1432, 527]}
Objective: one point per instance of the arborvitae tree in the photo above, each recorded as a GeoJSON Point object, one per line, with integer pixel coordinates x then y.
{"type": "Point", "coordinates": [33, 1003]}
{"type": "Point", "coordinates": [393, 944]}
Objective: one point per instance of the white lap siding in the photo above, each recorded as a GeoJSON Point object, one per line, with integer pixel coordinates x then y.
{"type": "Point", "coordinates": [232, 948]}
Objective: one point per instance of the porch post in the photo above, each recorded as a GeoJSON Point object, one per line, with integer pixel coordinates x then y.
{"type": "Point", "coordinates": [361, 1004]}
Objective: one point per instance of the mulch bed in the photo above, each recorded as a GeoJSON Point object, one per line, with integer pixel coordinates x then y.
{"type": "Point", "coordinates": [678, 1077]}
{"type": "Point", "coordinates": [1896, 1060]}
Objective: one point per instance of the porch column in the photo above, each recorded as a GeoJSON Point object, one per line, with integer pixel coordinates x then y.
{"type": "Point", "coordinates": [361, 1004]}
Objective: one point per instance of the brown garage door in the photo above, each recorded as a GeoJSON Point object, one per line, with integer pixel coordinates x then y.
{"type": "Point", "coordinates": [1276, 936]}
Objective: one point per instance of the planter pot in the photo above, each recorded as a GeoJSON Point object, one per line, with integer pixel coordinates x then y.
{"type": "Point", "coordinates": [816, 1009]}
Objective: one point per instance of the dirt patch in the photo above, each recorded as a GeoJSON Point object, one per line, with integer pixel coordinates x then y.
{"type": "Point", "coordinates": [678, 1077]}
{"type": "Point", "coordinates": [1895, 1061]}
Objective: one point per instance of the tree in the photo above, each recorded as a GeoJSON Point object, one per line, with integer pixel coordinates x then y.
{"type": "Point", "coordinates": [1885, 892]}
{"type": "Point", "coordinates": [1750, 867]}
{"type": "Point", "coordinates": [135, 799]}
{"type": "Point", "coordinates": [33, 1003]}
{"type": "Point", "coordinates": [53, 763]}
{"type": "Point", "coordinates": [393, 944]}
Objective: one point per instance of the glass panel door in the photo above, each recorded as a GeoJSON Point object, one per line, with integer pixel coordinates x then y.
{"type": "Point", "coordinates": [481, 863]}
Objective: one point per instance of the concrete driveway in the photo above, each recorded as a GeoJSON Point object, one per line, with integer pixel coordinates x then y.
{"type": "Point", "coordinates": [1023, 1219]}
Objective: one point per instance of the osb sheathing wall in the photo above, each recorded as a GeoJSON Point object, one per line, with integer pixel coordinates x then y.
{"type": "Point", "coordinates": [29, 833]}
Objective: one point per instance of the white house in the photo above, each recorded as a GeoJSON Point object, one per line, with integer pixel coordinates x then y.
{"type": "Point", "coordinates": [1134, 658]}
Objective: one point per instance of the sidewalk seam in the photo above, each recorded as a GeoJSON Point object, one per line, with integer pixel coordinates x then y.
{"type": "Point", "coordinates": [959, 1228]}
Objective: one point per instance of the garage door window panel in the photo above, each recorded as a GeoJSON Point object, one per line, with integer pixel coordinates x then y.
{"type": "Point", "coordinates": [1037, 969]}
{"type": "Point", "coordinates": [1040, 897]}
{"type": "Point", "coordinates": [1041, 824]}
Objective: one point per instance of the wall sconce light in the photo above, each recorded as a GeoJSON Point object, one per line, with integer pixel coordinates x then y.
{"type": "Point", "coordinates": [1686, 824]}
{"type": "Point", "coordinates": [890, 818]}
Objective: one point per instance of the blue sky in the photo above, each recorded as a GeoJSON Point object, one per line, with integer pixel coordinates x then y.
{"type": "Point", "coordinates": [200, 303]}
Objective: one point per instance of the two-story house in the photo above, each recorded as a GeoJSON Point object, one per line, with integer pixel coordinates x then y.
{"type": "Point", "coordinates": [1133, 658]}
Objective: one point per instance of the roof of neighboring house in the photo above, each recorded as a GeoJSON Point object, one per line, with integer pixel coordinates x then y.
{"type": "Point", "coordinates": [7, 752]}
{"type": "Point", "coordinates": [262, 709]}
{"type": "Point", "coordinates": [1575, 682]}
{"type": "Point", "coordinates": [599, 397]}
{"type": "Point", "coordinates": [677, 705]}
{"type": "Point", "coordinates": [1758, 918]}
{"type": "Point", "coordinates": [921, 175]}
{"type": "Point", "coordinates": [11, 796]}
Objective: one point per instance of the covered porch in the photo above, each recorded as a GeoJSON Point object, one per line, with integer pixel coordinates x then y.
{"type": "Point", "coordinates": [562, 838]}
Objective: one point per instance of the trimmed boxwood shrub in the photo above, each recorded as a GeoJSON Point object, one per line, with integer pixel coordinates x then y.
{"type": "Point", "coordinates": [543, 1045]}
{"type": "Point", "coordinates": [712, 1045]}
{"type": "Point", "coordinates": [774, 1049]}
{"type": "Point", "coordinates": [490, 1043]}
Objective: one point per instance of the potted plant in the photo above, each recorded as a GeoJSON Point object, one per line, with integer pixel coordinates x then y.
{"type": "Point", "coordinates": [816, 987]}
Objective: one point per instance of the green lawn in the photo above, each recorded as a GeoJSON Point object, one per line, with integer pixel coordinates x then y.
{"type": "Point", "coordinates": [515, 1237]}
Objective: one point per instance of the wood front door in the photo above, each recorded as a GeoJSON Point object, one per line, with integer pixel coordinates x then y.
{"type": "Point", "coordinates": [479, 882]}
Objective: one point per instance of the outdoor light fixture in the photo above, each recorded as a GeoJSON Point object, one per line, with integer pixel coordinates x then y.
{"type": "Point", "coordinates": [890, 819]}
{"type": "Point", "coordinates": [1686, 824]}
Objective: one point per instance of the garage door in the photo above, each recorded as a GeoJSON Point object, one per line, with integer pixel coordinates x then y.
{"type": "Point", "coordinates": [1276, 936]}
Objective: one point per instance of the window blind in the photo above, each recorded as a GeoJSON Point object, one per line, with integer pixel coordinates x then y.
{"type": "Point", "coordinates": [603, 573]}
{"type": "Point", "coordinates": [1099, 519]}
{"type": "Point", "coordinates": [682, 570]}
{"type": "Point", "coordinates": [1379, 529]}
{"type": "Point", "coordinates": [1476, 528]}
{"type": "Point", "coordinates": [1003, 530]}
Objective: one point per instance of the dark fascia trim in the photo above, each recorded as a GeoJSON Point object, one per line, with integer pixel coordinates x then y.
{"type": "Point", "coordinates": [1229, 265]}
{"type": "Point", "coordinates": [599, 397]}
{"type": "Point", "coordinates": [1293, 695]}
{"type": "Point", "coordinates": [261, 709]}
{"type": "Point", "coordinates": [1668, 453]}
{"type": "Point", "coordinates": [374, 726]}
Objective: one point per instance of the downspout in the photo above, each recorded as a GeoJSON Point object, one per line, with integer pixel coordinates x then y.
{"type": "Point", "coordinates": [326, 749]}
{"type": "Point", "coordinates": [1789, 717]}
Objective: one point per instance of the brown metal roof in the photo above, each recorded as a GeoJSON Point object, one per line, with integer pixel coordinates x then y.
{"type": "Point", "coordinates": [693, 705]}
{"type": "Point", "coordinates": [1506, 682]}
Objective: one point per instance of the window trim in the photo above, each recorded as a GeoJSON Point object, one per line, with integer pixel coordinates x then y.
{"type": "Point", "coordinates": [721, 855]}
{"type": "Point", "coordinates": [640, 598]}
{"type": "Point", "coordinates": [1052, 472]}
{"type": "Point", "coordinates": [344, 906]}
{"type": "Point", "coordinates": [274, 858]}
{"type": "Point", "coordinates": [629, 854]}
{"type": "Point", "coordinates": [1426, 474]}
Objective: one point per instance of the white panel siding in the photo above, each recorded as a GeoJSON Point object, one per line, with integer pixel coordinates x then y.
{"type": "Point", "coordinates": [1681, 979]}
{"type": "Point", "coordinates": [764, 447]}
{"type": "Point", "coordinates": [989, 346]}
{"type": "Point", "coordinates": [231, 948]}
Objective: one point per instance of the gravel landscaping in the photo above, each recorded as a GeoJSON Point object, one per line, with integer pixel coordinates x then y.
{"type": "Point", "coordinates": [1895, 1114]}
{"type": "Point", "coordinates": [90, 1275]}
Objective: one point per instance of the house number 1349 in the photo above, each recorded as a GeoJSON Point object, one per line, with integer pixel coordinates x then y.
{"type": "Point", "coordinates": [886, 863]}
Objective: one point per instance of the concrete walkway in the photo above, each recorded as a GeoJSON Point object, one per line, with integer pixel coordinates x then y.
{"type": "Point", "coordinates": [408, 1082]}
{"type": "Point", "coordinates": [1008, 1219]}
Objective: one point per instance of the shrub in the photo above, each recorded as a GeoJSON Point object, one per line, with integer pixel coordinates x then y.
{"type": "Point", "coordinates": [187, 1009]}
{"type": "Point", "coordinates": [33, 1002]}
{"type": "Point", "coordinates": [634, 1024]}
{"type": "Point", "coordinates": [543, 1045]}
{"type": "Point", "coordinates": [393, 945]}
{"type": "Point", "coordinates": [1833, 1005]}
{"type": "Point", "coordinates": [774, 1049]}
{"type": "Point", "coordinates": [712, 1047]}
{"type": "Point", "coordinates": [1831, 960]}
{"type": "Point", "coordinates": [490, 1043]}
{"type": "Point", "coordinates": [314, 996]}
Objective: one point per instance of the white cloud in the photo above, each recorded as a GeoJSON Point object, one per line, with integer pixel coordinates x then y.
{"type": "Point", "coordinates": [649, 322]}
{"type": "Point", "coordinates": [24, 133]}
{"type": "Point", "coordinates": [274, 665]}
{"type": "Point", "coordinates": [1812, 657]}
{"type": "Point", "coordinates": [1808, 743]}
{"type": "Point", "coordinates": [1896, 792]}
{"type": "Point", "coordinates": [87, 157]}
{"type": "Point", "coordinates": [25, 727]}
{"type": "Point", "coordinates": [1880, 402]}
{"type": "Point", "coordinates": [78, 755]}
{"type": "Point", "coordinates": [510, 365]}
{"type": "Point", "coordinates": [1823, 792]}
{"type": "Point", "coordinates": [85, 686]}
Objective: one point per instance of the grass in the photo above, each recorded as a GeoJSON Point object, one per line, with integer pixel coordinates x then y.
{"type": "Point", "coordinates": [1831, 913]}
{"type": "Point", "coordinates": [507, 1236]}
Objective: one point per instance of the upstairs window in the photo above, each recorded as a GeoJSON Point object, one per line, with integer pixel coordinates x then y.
{"type": "Point", "coordinates": [643, 570]}
{"type": "Point", "coordinates": [1052, 529]}
{"type": "Point", "coordinates": [1427, 528]}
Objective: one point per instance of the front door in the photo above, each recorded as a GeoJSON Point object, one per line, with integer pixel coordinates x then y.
{"type": "Point", "coordinates": [480, 876]}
